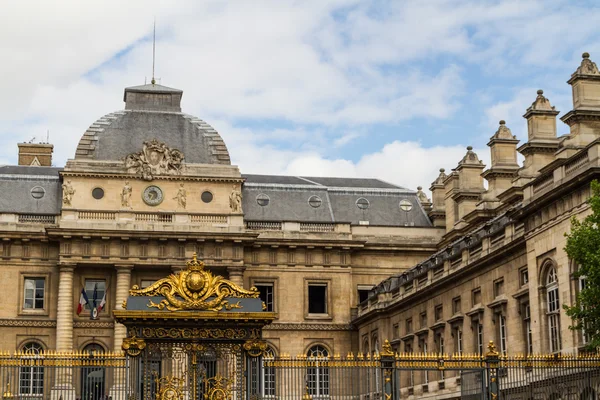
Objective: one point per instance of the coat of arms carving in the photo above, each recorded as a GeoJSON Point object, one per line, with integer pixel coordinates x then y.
{"type": "Point", "coordinates": [154, 159]}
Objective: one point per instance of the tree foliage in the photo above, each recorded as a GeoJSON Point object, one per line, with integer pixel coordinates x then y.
{"type": "Point", "coordinates": [583, 248]}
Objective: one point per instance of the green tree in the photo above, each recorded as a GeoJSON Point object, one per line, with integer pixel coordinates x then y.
{"type": "Point", "coordinates": [583, 248]}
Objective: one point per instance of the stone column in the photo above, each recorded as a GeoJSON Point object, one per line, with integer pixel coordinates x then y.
{"type": "Point", "coordinates": [121, 294]}
{"type": "Point", "coordinates": [119, 389]}
{"type": "Point", "coordinates": [63, 386]}
{"type": "Point", "coordinates": [236, 275]}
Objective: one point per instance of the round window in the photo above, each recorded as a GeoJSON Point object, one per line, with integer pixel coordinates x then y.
{"type": "Point", "coordinates": [315, 201]}
{"type": "Point", "coordinates": [98, 193]}
{"type": "Point", "coordinates": [262, 200]}
{"type": "Point", "coordinates": [405, 205]}
{"type": "Point", "coordinates": [38, 192]}
{"type": "Point", "coordinates": [362, 203]}
{"type": "Point", "coordinates": [206, 197]}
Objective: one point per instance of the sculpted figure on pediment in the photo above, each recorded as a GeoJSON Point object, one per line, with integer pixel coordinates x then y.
{"type": "Point", "coordinates": [156, 158]}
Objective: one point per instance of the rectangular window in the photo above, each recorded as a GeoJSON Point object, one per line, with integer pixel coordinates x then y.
{"type": "Point", "coordinates": [181, 251]}
{"type": "Point", "coordinates": [273, 257]}
{"type": "Point", "coordinates": [440, 350]}
{"type": "Point", "coordinates": [476, 296]}
{"type": "Point", "coordinates": [34, 291]}
{"type": "Point", "coordinates": [409, 327]}
{"type": "Point", "coordinates": [308, 258]}
{"type": "Point", "coordinates": [26, 250]}
{"type": "Point", "coordinates": [498, 287]}
{"type": "Point", "coordinates": [326, 258]}
{"type": "Point", "coordinates": [363, 295]}
{"type": "Point", "coordinates": [255, 256]}
{"type": "Point", "coordinates": [266, 295]}
{"type": "Point", "coordinates": [523, 276]}
{"type": "Point", "coordinates": [502, 333]}
{"type": "Point", "coordinates": [458, 341]}
{"type": "Point", "coordinates": [144, 250]}
{"type": "Point", "coordinates": [94, 285]}
{"type": "Point", "coordinates": [291, 256]}
{"type": "Point", "coordinates": [425, 373]}
{"type": "Point", "coordinates": [343, 258]}
{"type": "Point", "coordinates": [162, 250]}
{"type": "Point", "coordinates": [585, 336]}
{"type": "Point", "coordinates": [45, 251]}
{"type": "Point", "coordinates": [439, 312]}
{"type": "Point", "coordinates": [479, 337]}
{"type": "Point", "coordinates": [124, 249]}
{"type": "Point", "coordinates": [6, 249]}
{"type": "Point", "coordinates": [105, 249]}
{"type": "Point", "coordinates": [218, 250]}
{"type": "Point", "coordinates": [423, 319]}
{"type": "Point", "coordinates": [396, 331]}
{"type": "Point", "coordinates": [317, 298]}
{"type": "Point", "coordinates": [456, 305]}
{"type": "Point", "coordinates": [527, 329]}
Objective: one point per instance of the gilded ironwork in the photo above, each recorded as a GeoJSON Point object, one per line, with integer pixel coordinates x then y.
{"type": "Point", "coordinates": [170, 388]}
{"type": "Point", "coordinates": [217, 388]}
{"type": "Point", "coordinates": [255, 347]}
{"type": "Point", "coordinates": [194, 289]}
{"type": "Point", "coordinates": [198, 333]}
{"type": "Point", "coordinates": [7, 394]}
{"type": "Point", "coordinates": [386, 349]}
{"type": "Point", "coordinates": [492, 352]}
{"type": "Point", "coordinates": [133, 346]}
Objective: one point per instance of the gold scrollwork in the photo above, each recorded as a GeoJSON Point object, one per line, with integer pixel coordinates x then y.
{"type": "Point", "coordinates": [194, 289]}
{"type": "Point", "coordinates": [170, 388]}
{"type": "Point", "coordinates": [255, 347]}
{"type": "Point", "coordinates": [133, 346]}
{"type": "Point", "coordinates": [194, 333]}
{"type": "Point", "coordinates": [217, 388]}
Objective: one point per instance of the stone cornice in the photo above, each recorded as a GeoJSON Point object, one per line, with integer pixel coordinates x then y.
{"type": "Point", "coordinates": [178, 178]}
{"type": "Point", "coordinates": [575, 116]}
{"type": "Point", "coordinates": [94, 324]}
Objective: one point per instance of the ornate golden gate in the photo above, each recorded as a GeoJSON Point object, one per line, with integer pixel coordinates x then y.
{"type": "Point", "coordinates": [192, 336]}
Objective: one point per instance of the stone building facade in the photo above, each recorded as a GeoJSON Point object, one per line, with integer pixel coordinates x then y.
{"type": "Point", "coordinates": [149, 186]}
{"type": "Point", "coordinates": [500, 271]}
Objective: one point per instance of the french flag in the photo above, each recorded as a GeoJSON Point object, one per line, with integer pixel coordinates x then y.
{"type": "Point", "coordinates": [83, 300]}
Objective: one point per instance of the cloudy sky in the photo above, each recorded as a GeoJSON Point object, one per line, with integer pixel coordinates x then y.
{"type": "Point", "coordinates": [388, 89]}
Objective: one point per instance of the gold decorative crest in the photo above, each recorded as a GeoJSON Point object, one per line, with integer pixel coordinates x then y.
{"type": "Point", "coordinates": [386, 350]}
{"type": "Point", "coordinates": [194, 289]}
{"type": "Point", "coordinates": [255, 347]}
{"type": "Point", "coordinates": [133, 346]}
{"type": "Point", "coordinates": [170, 388]}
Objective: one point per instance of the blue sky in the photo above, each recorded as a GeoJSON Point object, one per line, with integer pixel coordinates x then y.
{"type": "Point", "coordinates": [387, 89]}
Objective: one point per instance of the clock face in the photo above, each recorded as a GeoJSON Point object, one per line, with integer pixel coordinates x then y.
{"type": "Point", "coordinates": [152, 195]}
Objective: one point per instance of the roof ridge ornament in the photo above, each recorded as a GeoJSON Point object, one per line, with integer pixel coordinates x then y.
{"type": "Point", "coordinates": [194, 289]}
{"type": "Point", "coordinates": [470, 157]}
{"type": "Point", "coordinates": [503, 132]}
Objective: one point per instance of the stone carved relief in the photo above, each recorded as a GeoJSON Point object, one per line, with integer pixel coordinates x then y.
{"type": "Point", "coordinates": [68, 193]}
{"type": "Point", "coordinates": [154, 159]}
{"type": "Point", "coordinates": [181, 197]}
{"type": "Point", "coordinates": [126, 196]}
{"type": "Point", "coordinates": [235, 200]}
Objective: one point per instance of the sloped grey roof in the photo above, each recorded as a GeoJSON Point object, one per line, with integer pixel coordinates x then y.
{"type": "Point", "coordinates": [121, 133]}
{"type": "Point", "coordinates": [289, 201]}
{"type": "Point", "coordinates": [16, 183]}
{"type": "Point", "coordinates": [152, 88]}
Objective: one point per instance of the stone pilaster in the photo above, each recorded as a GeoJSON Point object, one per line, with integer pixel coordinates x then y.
{"type": "Point", "coordinates": [236, 275]}
{"type": "Point", "coordinates": [121, 293]}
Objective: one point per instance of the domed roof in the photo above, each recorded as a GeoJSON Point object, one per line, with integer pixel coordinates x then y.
{"type": "Point", "coordinates": [152, 112]}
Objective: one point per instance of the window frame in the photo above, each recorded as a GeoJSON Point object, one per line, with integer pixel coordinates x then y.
{"type": "Point", "coordinates": [274, 282]}
{"type": "Point", "coordinates": [328, 314]}
{"type": "Point", "coordinates": [552, 297]}
{"type": "Point", "coordinates": [47, 288]}
{"type": "Point", "coordinates": [318, 383]}
{"type": "Point", "coordinates": [87, 309]}
{"type": "Point", "coordinates": [34, 374]}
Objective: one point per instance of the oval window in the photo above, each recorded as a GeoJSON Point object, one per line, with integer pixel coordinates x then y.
{"type": "Point", "coordinates": [38, 192]}
{"type": "Point", "coordinates": [362, 203]}
{"type": "Point", "coordinates": [405, 205]}
{"type": "Point", "coordinates": [98, 193]}
{"type": "Point", "coordinates": [315, 201]}
{"type": "Point", "coordinates": [263, 200]}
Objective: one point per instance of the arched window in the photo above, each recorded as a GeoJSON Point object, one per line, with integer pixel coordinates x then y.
{"type": "Point", "coordinates": [31, 379]}
{"type": "Point", "coordinates": [268, 378]}
{"type": "Point", "coordinates": [92, 378]}
{"type": "Point", "coordinates": [553, 309]}
{"type": "Point", "coordinates": [318, 376]}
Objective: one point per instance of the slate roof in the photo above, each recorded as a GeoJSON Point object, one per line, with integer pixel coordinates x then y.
{"type": "Point", "coordinates": [289, 201]}
{"type": "Point", "coordinates": [16, 183]}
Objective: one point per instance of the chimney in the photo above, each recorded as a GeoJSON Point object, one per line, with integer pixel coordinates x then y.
{"type": "Point", "coordinates": [35, 154]}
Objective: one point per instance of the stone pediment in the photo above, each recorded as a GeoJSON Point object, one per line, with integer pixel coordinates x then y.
{"type": "Point", "coordinates": [156, 158]}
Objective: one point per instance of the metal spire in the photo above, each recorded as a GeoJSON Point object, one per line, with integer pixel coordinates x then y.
{"type": "Point", "coordinates": [153, 81]}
